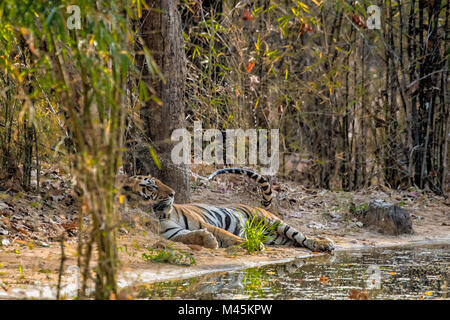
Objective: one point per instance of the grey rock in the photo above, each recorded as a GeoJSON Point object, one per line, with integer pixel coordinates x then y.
{"type": "Point", "coordinates": [387, 218]}
{"type": "Point", "coordinates": [43, 244]}
{"type": "Point", "coordinates": [335, 216]}
{"type": "Point", "coordinates": [316, 225]}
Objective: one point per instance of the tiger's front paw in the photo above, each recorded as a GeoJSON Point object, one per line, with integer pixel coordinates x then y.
{"type": "Point", "coordinates": [206, 239]}
{"type": "Point", "coordinates": [320, 244]}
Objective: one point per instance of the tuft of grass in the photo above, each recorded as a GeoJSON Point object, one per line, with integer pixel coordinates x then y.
{"type": "Point", "coordinates": [256, 231]}
{"type": "Point", "coordinates": [169, 255]}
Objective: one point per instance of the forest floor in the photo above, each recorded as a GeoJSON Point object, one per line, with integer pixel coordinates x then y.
{"type": "Point", "coordinates": [30, 226]}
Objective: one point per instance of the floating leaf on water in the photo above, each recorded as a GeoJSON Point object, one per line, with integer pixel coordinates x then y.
{"type": "Point", "coordinates": [356, 294]}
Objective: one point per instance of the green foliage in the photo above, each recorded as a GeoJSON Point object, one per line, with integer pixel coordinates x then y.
{"type": "Point", "coordinates": [77, 82]}
{"type": "Point", "coordinates": [169, 255]}
{"type": "Point", "coordinates": [256, 231]}
{"type": "Point", "coordinates": [357, 209]}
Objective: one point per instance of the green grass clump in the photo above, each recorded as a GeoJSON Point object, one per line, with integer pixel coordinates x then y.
{"type": "Point", "coordinates": [169, 255]}
{"type": "Point", "coordinates": [256, 231]}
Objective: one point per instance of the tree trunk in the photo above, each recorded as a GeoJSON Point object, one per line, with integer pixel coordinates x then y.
{"type": "Point", "coordinates": [162, 34]}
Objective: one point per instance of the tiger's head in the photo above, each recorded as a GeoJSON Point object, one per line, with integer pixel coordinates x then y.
{"type": "Point", "coordinates": [152, 189]}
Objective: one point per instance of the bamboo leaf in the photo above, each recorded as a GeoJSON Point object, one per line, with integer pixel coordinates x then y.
{"type": "Point", "coordinates": [155, 157]}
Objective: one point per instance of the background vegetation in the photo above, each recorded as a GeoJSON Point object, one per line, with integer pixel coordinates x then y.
{"type": "Point", "coordinates": [355, 106]}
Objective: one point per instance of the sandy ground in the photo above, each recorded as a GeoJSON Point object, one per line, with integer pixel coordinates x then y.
{"type": "Point", "coordinates": [29, 260]}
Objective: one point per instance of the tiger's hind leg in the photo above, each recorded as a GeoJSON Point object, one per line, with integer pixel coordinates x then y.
{"type": "Point", "coordinates": [285, 234]}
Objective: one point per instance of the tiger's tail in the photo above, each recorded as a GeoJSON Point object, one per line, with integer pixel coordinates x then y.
{"type": "Point", "coordinates": [261, 180]}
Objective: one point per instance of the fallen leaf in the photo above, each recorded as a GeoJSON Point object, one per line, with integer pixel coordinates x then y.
{"type": "Point", "coordinates": [305, 27]}
{"type": "Point", "coordinates": [356, 294]}
{"type": "Point", "coordinates": [70, 226]}
{"type": "Point", "coordinates": [359, 22]}
{"type": "Point", "coordinates": [247, 16]}
{"type": "Point", "coordinates": [323, 279]}
{"type": "Point", "coordinates": [250, 66]}
{"type": "Point", "coordinates": [428, 293]}
{"type": "Point", "coordinates": [280, 109]}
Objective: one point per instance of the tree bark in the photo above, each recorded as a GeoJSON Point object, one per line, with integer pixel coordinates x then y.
{"type": "Point", "coordinates": [162, 34]}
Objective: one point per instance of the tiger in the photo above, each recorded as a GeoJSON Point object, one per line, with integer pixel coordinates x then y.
{"type": "Point", "coordinates": [214, 226]}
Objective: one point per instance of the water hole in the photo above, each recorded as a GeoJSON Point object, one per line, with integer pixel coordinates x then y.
{"type": "Point", "coordinates": [387, 273]}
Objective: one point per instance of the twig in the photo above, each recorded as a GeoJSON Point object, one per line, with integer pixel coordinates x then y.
{"type": "Point", "coordinates": [38, 167]}
{"type": "Point", "coordinates": [61, 267]}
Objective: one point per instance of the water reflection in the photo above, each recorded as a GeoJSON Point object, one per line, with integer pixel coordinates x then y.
{"type": "Point", "coordinates": [394, 273]}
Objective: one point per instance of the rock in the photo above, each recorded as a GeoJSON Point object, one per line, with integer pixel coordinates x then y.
{"type": "Point", "coordinates": [296, 214]}
{"type": "Point", "coordinates": [413, 195]}
{"type": "Point", "coordinates": [334, 225]}
{"type": "Point", "coordinates": [316, 225]}
{"type": "Point", "coordinates": [5, 242]}
{"type": "Point", "coordinates": [335, 216]}
{"type": "Point", "coordinates": [57, 198]}
{"type": "Point", "coordinates": [3, 205]}
{"type": "Point", "coordinates": [42, 244]}
{"type": "Point", "coordinates": [387, 218]}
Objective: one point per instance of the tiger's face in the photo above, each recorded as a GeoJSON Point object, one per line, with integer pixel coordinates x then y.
{"type": "Point", "coordinates": [152, 189]}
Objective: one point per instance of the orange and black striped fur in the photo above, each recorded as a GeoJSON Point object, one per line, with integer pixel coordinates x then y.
{"type": "Point", "coordinates": [213, 226]}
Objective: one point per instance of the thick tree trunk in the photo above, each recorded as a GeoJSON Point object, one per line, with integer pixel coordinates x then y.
{"type": "Point", "coordinates": [162, 35]}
